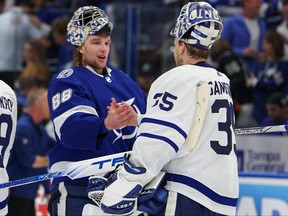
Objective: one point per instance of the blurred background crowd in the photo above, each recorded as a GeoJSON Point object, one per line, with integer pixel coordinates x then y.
{"type": "Point", "coordinates": [253, 53]}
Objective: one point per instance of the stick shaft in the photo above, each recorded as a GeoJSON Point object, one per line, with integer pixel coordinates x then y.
{"type": "Point", "coordinates": [107, 163]}
{"type": "Point", "coordinates": [75, 170]}
{"type": "Point", "coordinates": [259, 130]}
{"type": "Point", "coordinates": [30, 180]}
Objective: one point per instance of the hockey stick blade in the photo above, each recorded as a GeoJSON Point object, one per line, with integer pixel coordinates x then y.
{"type": "Point", "coordinates": [202, 102]}
{"type": "Point", "coordinates": [259, 130]}
{"type": "Point", "coordinates": [75, 170]}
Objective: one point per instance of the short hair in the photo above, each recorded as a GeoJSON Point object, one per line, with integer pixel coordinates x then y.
{"type": "Point", "coordinates": [278, 99]}
{"type": "Point", "coordinates": [35, 95]}
{"type": "Point", "coordinates": [192, 50]}
{"type": "Point", "coordinates": [60, 25]}
{"type": "Point", "coordinates": [219, 47]}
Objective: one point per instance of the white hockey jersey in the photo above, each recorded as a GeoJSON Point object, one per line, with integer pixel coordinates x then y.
{"type": "Point", "coordinates": [207, 175]}
{"type": "Point", "coordinates": [8, 120]}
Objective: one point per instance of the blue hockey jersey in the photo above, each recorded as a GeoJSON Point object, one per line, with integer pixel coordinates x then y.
{"type": "Point", "coordinates": [78, 98]}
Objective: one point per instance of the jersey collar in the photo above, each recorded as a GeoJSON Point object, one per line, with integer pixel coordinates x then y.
{"type": "Point", "coordinates": [93, 71]}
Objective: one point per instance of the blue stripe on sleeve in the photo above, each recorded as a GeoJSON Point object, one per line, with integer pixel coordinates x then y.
{"type": "Point", "coordinates": [165, 139]}
{"type": "Point", "coordinates": [3, 203]}
{"type": "Point", "coordinates": [165, 123]}
{"type": "Point", "coordinates": [202, 189]}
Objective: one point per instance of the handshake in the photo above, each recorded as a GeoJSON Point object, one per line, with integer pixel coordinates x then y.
{"type": "Point", "coordinates": [120, 192]}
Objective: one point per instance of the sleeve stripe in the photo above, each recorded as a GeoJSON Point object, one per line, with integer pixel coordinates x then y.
{"type": "Point", "coordinates": [165, 139]}
{"type": "Point", "coordinates": [59, 120]}
{"type": "Point", "coordinates": [3, 203]}
{"type": "Point", "coordinates": [165, 123]}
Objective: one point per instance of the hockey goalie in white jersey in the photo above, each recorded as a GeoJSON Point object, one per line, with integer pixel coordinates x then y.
{"type": "Point", "coordinates": [8, 120]}
{"type": "Point", "coordinates": [187, 132]}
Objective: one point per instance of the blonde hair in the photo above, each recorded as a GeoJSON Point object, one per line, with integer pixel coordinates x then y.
{"type": "Point", "coordinates": [77, 57]}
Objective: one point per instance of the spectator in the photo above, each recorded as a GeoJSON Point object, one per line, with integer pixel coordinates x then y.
{"type": "Point", "coordinates": [36, 72]}
{"type": "Point", "coordinates": [149, 69]}
{"type": "Point", "coordinates": [226, 8]}
{"type": "Point", "coordinates": [47, 14]}
{"type": "Point", "coordinates": [271, 12]}
{"type": "Point", "coordinates": [276, 106]}
{"type": "Point", "coordinates": [59, 33]}
{"type": "Point", "coordinates": [245, 32]}
{"type": "Point", "coordinates": [283, 27]}
{"type": "Point", "coordinates": [233, 66]}
{"type": "Point", "coordinates": [28, 8]}
{"type": "Point", "coordinates": [29, 154]}
{"type": "Point", "coordinates": [16, 29]}
{"type": "Point", "coordinates": [271, 75]}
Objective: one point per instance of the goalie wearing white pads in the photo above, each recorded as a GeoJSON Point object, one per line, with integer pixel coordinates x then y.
{"type": "Point", "coordinates": [8, 121]}
{"type": "Point", "coordinates": [203, 181]}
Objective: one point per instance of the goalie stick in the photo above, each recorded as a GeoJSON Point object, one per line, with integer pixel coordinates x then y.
{"type": "Point", "coordinates": [102, 165]}
{"type": "Point", "coordinates": [257, 130]}
{"type": "Point", "coordinates": [75, 170]}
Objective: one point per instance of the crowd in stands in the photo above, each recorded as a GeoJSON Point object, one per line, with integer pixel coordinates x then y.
{"type": "Point", "coordinates": [253, 53]}
{"type": "Point", "coordinates": [253, 50]}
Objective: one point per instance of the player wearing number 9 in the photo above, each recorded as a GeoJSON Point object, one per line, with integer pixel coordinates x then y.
{"type": "Point", "coordinates": [8, 119]}
{"type": "Point", "coordinates": [203, 181]}
{"type": "Point", "coordinates": [78, 98]}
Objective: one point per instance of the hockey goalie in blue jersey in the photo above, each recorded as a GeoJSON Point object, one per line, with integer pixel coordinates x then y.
{"type": "Point", "coordinates": [187, 132]}
{"type": "Point", "coordinates": [78, 99]}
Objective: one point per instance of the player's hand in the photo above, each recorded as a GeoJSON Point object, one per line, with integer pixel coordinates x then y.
{"type": "Point", "coordinates": [131, 119]}
{"type": "Point", "coordinates": [120, 115]}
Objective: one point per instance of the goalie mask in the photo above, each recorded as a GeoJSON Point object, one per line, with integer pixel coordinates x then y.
{"type": "Point", "coordinates": [87, 20]}
{"type": "Point", "coordinates": [198, 24]}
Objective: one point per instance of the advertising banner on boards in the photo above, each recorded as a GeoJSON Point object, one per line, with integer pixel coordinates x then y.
{"type": "Point", "coordinates": [262, 153]}
{"type": "Point", "coordinates": [263, 195]}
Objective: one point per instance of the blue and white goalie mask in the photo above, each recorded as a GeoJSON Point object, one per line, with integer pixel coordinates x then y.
{"type": "Point", "coordinates": [202, 21]}
{"type": "Point", "coordinates": [87, 20]}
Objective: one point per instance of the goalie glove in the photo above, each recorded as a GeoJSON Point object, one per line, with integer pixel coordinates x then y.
{"type": "Point", "coordinates": [122, 190]}
{"type": "Point", "coordinates": [152, 199]}
{"type": "Point", "coordinates": [96, 187]}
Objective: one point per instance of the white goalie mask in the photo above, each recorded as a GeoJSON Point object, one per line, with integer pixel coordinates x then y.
{"type": "Point", "coordinates": [202, 20]}
{"type": "Point", "coordinates": [87, 20]}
